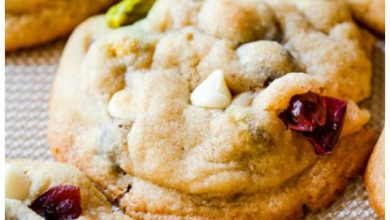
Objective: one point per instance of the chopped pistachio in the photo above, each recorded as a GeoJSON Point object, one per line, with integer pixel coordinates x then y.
{"type": "Point", "coordinates": [127, 12]}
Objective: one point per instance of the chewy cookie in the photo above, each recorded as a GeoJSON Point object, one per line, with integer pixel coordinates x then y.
{"type": "Point", "coordinates": [370, 13]}
{"type": "Point", "coordinates": [375, 177]}
{"type": "Point", "coordinates": [32, 22]}
{"type": "Point", "coordinates": [218, 109]}
{"type": "Point", "coordinates": [49, 190]}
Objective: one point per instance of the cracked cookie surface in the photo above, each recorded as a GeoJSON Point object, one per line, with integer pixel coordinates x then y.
{"type": "Point", "coordinates": [121, 107]}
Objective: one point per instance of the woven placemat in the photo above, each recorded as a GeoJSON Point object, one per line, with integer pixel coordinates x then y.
{"type": "Point", "coordinates": [28, 78]}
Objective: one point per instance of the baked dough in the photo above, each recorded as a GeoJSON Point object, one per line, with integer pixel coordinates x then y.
{"type": "Point", "coordinates": [375, 177]}
{"type": "Point", "coordinates": [168, 158]}
{"type": "Point", "coordinates": [370, 12]}
{"type": "Point", "coordinates": [44, 175]}
{"type": "Point", "coordinates": [33, 22]}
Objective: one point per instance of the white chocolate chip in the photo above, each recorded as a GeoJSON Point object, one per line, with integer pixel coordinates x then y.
{"type": "Point", "coordinates": [17, 183]}
{"type": "Point", "coordinates": [120, 105]}
{"type": "Point", "coordinates": [212, 92]}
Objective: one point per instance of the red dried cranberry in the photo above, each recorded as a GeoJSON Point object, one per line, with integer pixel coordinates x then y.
{"type": "Point", "coordinates": [318, 118]}
{"type": "Point", "coordinates": [306, 112]}
{"type": "Point", "coordinates": [59, 203]}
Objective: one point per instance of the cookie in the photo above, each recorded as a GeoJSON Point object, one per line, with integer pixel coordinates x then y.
{"type": "Point", "coordinates": [370, 12]}
{"type": "Point", "coordinates": [375, 177]}
{"type": "Point", "coordinates": [50, 190]}
{"type": "Point", "coordinates": [192, 111]}
{"type": "Point", "coordinates": [40, 21]}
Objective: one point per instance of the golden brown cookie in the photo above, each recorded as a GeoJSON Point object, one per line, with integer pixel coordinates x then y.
{"type": "Point", "coordinates": [370, 13]}
{"type": "Point", "coordinates": [375, 177]}
{"type": "Point", "coordinates": [187, 112]}
{"type": "Point", "coordinates": [29, 23]}
{"type": "Point", "coordinates": [50, 190]}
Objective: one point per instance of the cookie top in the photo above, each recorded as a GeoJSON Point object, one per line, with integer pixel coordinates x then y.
{"type": "Point", "coordinates": [39, 190]}
{"type": "Point", "coordinates": [370, 12]}
{"type": "Point", "coordinates": [29, 23]}
{"type": "Point", "coordinates": [188, 104]}
{"type": "Point", "coordinates": [375, 177]}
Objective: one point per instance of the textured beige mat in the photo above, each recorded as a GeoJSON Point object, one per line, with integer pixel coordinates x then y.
{"type": "Point", "coordinates": [28, 77]}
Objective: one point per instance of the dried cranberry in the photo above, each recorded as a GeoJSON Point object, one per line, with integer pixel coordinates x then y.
{"type": "Point", "coordinates": [318, 118]}
{"type": "Point", "coordinates": [59, 203]}
{"type": "Point", "coordinates": [305, 112]}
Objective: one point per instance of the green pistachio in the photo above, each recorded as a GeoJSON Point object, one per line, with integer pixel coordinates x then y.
{"type": "Point", "coordinates": [127, 12]}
